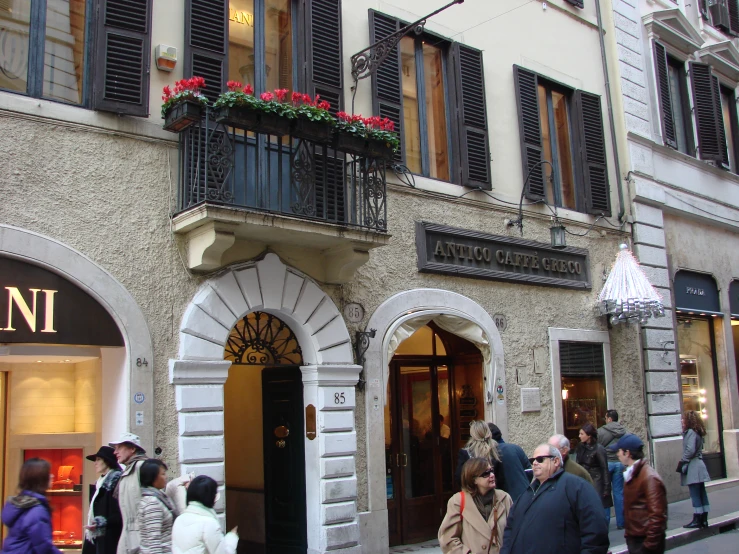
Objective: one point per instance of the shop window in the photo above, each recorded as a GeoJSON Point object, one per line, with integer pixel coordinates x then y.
{"type": "Point", "coordinates": [564, 127]}
{"type": "Point", "coordinates": [420, 86]}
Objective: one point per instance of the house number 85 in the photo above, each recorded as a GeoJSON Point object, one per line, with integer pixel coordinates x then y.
{"type": "Point", "coordinates": [339, 398]}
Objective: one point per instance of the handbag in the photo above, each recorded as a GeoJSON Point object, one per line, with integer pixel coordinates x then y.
{"type": "Point", "coordinates": [680, 465]}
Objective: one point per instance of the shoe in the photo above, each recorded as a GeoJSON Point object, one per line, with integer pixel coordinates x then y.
{"type": "Point", "coordinates": [697, 519]}
{"type": "Point", "coordinates": [704, 520]}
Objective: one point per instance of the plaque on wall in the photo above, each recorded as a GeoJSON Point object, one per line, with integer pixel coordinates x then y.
{"type": "Point", "coordinates": [465, 253]}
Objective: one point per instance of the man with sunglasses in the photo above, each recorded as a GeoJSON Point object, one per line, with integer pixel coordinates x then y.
{"type": "Point", "coordinates": [556, 504]}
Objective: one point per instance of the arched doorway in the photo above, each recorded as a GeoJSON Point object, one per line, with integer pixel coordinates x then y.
{"type": "Point", "coordinates": [435, 388]}
{"type": "Point", "coordinates": [263, 425]}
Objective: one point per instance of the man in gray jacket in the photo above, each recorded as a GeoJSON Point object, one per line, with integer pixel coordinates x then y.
{"type": "Point", "coordinates": [131, 454]}
{"type": "Point", "coordinates": [609, 435]}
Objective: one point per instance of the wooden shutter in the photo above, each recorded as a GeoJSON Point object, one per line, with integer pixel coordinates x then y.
{"type": "Point", "coordinates": [596, 190]}
{"type": "Point", "coordinates": [324, 62]}
{"type": "Point", "coordinates": [724, 162]}
{"type": "Point", "coordinates": [474, 152]}
{"type": "Point", "coordinates": [387, 93]}
{"type": "Point", "coordinates": [709, 143]}
{"type": "Point", "coordinates": [206, 43]}
{"type": "Point", "coordinates": [576, 3]}
{"type": "Point", "coordinates": [734, 17]}
{"type": "Point", "coordinates": [663, 93]}
{"type": "Point", "coordinates": [530, 131]}
{"type": "Point", "coordinates": [123, 52]}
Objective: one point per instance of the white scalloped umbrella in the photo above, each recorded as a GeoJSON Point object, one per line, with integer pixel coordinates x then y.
{"type": "Point", "coordinates": [627, 294]}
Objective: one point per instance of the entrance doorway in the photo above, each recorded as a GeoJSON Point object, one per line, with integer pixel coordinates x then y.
{"type": "Point", "coordinates": [263, 426]}
{"type": "Point", "coordinates": [434, 391]}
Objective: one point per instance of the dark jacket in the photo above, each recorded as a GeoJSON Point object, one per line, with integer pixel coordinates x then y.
{"type": "Point", "coordinates": [592, 457]}
{"type": "Point", "coordinates": [28, 517]}
{"type": "Point", "coordinates": [608, 435]}
{"type": "Point", "coordinates": [513, 466]}
{"type": "Point", "coordinates": [107, 517]}
{"type": "Point", "coordinates": [462, 456]}
{"type": "Point", "coordinates": [645, 505]}
{"type": "Point", "coordinates": [561, 516]}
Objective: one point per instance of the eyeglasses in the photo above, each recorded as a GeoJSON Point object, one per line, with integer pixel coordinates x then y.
{"type": "Point", "coordinates": [539, 459]}
{"type": "Point", "coordinates": [486, 474]}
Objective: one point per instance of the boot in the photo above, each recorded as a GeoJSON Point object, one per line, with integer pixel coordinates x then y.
{"type": "Point", "coordinates": [697, 519]}
{"type": "Point", "coordinates": [704, 520]}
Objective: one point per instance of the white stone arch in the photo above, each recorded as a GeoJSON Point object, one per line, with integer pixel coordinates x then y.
{"type": "Point", "coordinates": [77, 268]}
{"type": "Point", "coordinates": [392, 313]}
{"type": "Point", "coordinates": [200, 372]}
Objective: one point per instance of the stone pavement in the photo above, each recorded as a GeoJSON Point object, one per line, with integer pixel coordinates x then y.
{"type": "Point", "coordinates": [723, 496]}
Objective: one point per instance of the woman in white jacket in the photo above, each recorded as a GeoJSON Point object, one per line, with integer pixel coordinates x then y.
{"type": "Point", "coordinates": [197, 530]}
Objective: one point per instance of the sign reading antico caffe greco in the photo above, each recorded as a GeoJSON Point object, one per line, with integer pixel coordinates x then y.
{"type": "Point", "coordinates": [465, 253]}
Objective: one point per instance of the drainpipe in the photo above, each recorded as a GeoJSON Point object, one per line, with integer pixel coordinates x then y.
{"type": "Point", "coordinates": [609, 102]}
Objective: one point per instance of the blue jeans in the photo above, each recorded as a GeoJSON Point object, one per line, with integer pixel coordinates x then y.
{"type": "Point", "coordinates": [699, 498]}
{"type": "Point", "coordinates": [616, 469]}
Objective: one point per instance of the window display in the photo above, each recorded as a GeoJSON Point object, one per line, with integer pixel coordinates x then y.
{"type": "Point", "coordinates": [65, 494]}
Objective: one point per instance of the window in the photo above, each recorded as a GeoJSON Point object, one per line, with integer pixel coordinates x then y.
{"type": "Point", "coordinates": [723, 14]}
{"type": "Point", "coordinates": [564, 127]}
{"type": "Point", "coordinates": [433, 90]}
{"type": "Point", "coordinates": [729, 118]}
{"type": "Point", "coordinates": [672, 90]}
{"type": "Point", "coordinates": [709, 116]}
{"type": "Point", "coordinates": [43, 54]}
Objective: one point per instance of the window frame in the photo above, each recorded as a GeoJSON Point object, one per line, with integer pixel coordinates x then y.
{"type": "Point", "coordinates": [685, 106]}
{"type": "Point", "coordinates": [733, 122]}
{"type": "Point", "coordinates": [557, 335]}
{"type": "Point", "coordinates": [444, 46]}
{"type": "Point", "coordinates": [37, 54]}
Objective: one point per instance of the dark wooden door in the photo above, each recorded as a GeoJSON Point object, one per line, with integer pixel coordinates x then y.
{"type": "Point", "coordinates": [418, 457]}
{"type": "Point", "coordinates": [284, 461]}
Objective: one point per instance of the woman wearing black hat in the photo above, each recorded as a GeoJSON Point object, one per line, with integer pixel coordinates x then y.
{"type": "Point", "coordinates": [104, 521]}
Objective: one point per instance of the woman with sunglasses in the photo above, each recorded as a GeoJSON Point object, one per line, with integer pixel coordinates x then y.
{"type": "Point", "coordinates": [476, 516]}
{"type": "Point", "coordinates": [593, 457]}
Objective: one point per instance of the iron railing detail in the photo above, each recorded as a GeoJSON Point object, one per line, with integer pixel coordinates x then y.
{"type": "Point", "coordinates": [224, 165]}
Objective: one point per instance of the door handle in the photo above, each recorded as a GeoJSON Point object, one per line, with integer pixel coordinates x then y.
{"type": "Point", "coordinates": [397, 460]}
{"type": "Point", "coordinates": [405, 459]}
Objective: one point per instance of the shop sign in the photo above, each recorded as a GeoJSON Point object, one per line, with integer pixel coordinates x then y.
{"type": "Point", "coordinates": [39, 306]}
{"type": "Point", "coordinates": [734, 298]}
{"type": "Point", "coordinates": [696, 292]}
{"type": "Point", "coordinates": [465, 253]}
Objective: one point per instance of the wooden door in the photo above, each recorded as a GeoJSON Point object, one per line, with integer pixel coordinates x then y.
{"type": "Point", "coordinates": [284, 461]}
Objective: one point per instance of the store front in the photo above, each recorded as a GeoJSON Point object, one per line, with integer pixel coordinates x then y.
{"type": "Point", "coordinates": [64, 371]}
{"type": "Point", "coordinates": [699, 317]}
{"type": "Point", "coordinates": [734, 308]}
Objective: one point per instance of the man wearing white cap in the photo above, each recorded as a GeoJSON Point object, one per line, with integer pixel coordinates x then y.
{"type": "Point", "coordinates": [129, 452]}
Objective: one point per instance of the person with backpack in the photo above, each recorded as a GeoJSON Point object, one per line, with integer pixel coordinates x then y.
{"type": "Point", "coordinates": [608, 435]}
{"type": "Point", "coordinates": [28, 515]}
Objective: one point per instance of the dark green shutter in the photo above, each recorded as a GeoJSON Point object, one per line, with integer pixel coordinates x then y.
{"type": "Point", "coordinates": [593, 153]}
{"type": "Point", "coordinates": [324, 62]}
{"type": "Point", "coordinates": [530, 132]}
{"type": "Point", "coordinates": [706, 122]}
{"type": "Point", "coordinates": [724, 162]}
{"type": "Point", "coordinates": [663, 93]}
{"type": "Point", "coordinates": [206, 43]}
{"type": "Point", "coordinates": [387, 92]}
{"type": "Point", "coordinates": [474, 153]}
{"type": "Point", "coordinates": [122, 57]}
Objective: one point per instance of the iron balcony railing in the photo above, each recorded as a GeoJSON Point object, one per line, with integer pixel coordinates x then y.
{"type": "Point", "coordinates": [224, 165]}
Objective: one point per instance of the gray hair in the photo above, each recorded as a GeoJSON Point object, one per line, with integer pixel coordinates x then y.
{"type": "Point", "coordinates": [562, 441]}
{"type": "Point", "coordinates": [553, 452]}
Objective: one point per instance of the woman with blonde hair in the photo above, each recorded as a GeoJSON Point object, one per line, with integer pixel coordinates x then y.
{"type": "Point", "coordinates": [476, 516]}
{"type": "Point", "coordinates": [479, 445]}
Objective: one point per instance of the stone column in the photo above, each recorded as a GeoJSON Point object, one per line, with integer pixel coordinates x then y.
{"type": "Point", "coordinates": [199, 398]}
{"type": "Point", "coordinates": [331, 480]}
{"type": "Point", "coordinates": [661, 369]}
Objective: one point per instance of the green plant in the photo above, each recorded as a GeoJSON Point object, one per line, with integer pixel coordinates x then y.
{"type": "Point", "coordinates": [236, 96]}
{"type": "Point", "coordinates": [314, 110]}
{"type": "Point", "coordinates": [185, 89]}
{"type": "Point", "coordinates": [373, 128]}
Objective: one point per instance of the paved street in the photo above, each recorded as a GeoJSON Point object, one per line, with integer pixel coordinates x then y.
{"type": "Point", "coordinates": [718, 544]}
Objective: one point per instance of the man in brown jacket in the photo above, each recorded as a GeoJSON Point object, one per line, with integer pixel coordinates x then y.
{"type": "Point", "coordinates": [645, 499]}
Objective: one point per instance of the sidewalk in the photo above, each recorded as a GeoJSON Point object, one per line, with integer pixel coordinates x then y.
{"type": "Point", "coordinates": [724, 502]}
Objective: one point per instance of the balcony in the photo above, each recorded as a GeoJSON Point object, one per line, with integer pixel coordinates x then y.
{"type": "Point", "coordinates": [242, 193]}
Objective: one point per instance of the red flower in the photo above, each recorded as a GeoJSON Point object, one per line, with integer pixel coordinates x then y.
{"type": "Point", "coordinates": [233, 86]}
{"type": "Point", "coordinates": [324, 105]}
{"type": "Point", "coordinates": [343, 116]}
{"type": "Point", "coordinates": [296, 98]}
{"type": "Point", "coordinates": [267, 96]}
{"type": "Point", "coordinates": [281, 93]}
{"type": "Point", "coordinates": [306, 99]}
{"type": "Point", "coordinates": [248, 89]}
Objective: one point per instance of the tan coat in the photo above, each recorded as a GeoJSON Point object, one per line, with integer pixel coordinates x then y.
{"type": "Point", "coordinates": [129, 495]}
{"type": "Point", "coordinates": [471, 534]}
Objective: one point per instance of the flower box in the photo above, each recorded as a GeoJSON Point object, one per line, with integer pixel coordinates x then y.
{"type": "Point", "coordinates": [315, 131]}
{"type": "Point", "coordinates": [351, 144]}
{"type": "Point", "coordinates": [273, 124]}
{"type": "Point", "coordinates": [182, 115]}
{"type": "Point", "coordinates": [380, 149]}
{"type": "Point", "coordinates": [242, 117]}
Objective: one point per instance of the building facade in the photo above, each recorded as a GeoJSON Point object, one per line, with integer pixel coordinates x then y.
{"type": "Point", "coordinates": [312, 327]}
{"type": "Point", "coordinates": [676, 73]}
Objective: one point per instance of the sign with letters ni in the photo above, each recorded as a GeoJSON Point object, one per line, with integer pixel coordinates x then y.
{"type": "Point", "coordinates": [465, 253]}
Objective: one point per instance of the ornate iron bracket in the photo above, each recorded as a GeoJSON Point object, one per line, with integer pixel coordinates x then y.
{"type": "Point", "coordinates": [360, 347]}
{"type": "Point", "coordinates": [404, 174]}
{"type": "Point", "coordinates": [366, 62]}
